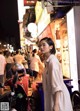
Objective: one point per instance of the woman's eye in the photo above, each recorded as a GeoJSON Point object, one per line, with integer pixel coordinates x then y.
{"type": "Point", "coordinates": [44, 45]}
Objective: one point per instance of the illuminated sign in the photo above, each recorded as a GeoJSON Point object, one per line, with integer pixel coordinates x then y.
{"type": "Point", "coordinates": [29, 2]}
{"type": "Point", "coordinates": [72, 47]}
{"type": "Point", "coordinates": [43, 21]}
{"type": "Point", "coordinates": [38, 10]}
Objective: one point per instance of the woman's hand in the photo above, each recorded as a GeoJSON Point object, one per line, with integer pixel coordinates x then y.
{"type": "Point", "coordinates": [56, 107]}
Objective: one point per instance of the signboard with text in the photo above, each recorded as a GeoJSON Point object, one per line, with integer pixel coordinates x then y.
{"type": "Point", "coordinates": [29, 2]}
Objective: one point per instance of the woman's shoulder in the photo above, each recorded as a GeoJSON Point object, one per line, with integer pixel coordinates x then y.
{"type": "Point", "coordinates": [53, 58]}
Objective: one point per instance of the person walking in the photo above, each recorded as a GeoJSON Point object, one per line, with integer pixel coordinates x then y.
{"type": "Point", "coordinates": [9, 62]}
{"type": "Point", "coordinates": [2, 71]}
{"type": "Point", "coordinates": [19, 59]}
{"type": "Point", "coordinates": [35, 63]}
{"type": "Point", "coordinates": [56, 94]}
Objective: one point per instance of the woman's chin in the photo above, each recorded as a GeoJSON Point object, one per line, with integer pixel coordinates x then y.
{"type": "Point", "coordinates": [43, 52]}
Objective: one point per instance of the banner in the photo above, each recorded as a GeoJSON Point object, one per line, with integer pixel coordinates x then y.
{"type": "Point", "coordinates": [29, 2]}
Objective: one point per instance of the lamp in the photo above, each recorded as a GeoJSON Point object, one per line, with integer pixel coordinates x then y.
{"type": "Point", "coordinates": [32, 27]}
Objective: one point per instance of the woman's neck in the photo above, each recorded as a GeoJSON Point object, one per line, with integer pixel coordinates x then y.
{"type": "Point", "coordinates": [47, 55]}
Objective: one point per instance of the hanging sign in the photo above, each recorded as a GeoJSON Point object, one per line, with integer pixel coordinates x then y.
{"type": "Point", "coordinates": [29, 2]}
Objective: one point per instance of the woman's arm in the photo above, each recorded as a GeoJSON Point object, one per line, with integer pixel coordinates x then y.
{"type": "Point", "coordinates": [56, 101]}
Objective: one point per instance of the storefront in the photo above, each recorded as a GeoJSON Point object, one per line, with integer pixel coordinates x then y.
{"type": "Point", "coordinates": [65, 34]}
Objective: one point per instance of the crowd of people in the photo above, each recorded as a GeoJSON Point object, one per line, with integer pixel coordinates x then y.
{"type": "Point", "coordinates": [23, 62]}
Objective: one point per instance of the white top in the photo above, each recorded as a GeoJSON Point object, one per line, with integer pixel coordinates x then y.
{"type": "Point", "coordinates": [53, 82]}
{"type": "Point", "coordinates": [35, 62]}
{"type": "Point", "coordinates": [2, 64]}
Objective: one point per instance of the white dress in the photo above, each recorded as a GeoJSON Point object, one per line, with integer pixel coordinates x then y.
{"type": "Point", "coordinates": [52, 82]}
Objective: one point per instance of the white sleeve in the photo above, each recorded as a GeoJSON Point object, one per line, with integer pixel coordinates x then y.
{"type": "Point", "coordinates": [55, 77]}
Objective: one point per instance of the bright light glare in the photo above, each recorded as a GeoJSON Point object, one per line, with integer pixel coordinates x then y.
{"type": "Point", "coordinates": [32, 27]}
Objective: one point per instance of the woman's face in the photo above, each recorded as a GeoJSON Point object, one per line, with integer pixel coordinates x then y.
{"type": "Point", "coordinates": [44, 47]}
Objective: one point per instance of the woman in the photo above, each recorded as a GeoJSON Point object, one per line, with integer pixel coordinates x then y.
{"type": "Point", "coordinates": [35, 63]}
{"type": "Point", "coordinates": [9, 62]}
{"type": "Point", "coordinates": [56, 95]}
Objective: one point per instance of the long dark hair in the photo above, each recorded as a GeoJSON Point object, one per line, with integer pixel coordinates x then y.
{"type": "Point", "coordinates": [50, 43]}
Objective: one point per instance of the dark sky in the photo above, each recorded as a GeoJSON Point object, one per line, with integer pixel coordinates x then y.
{"type": "Point", "coordinates": [9, 28]}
